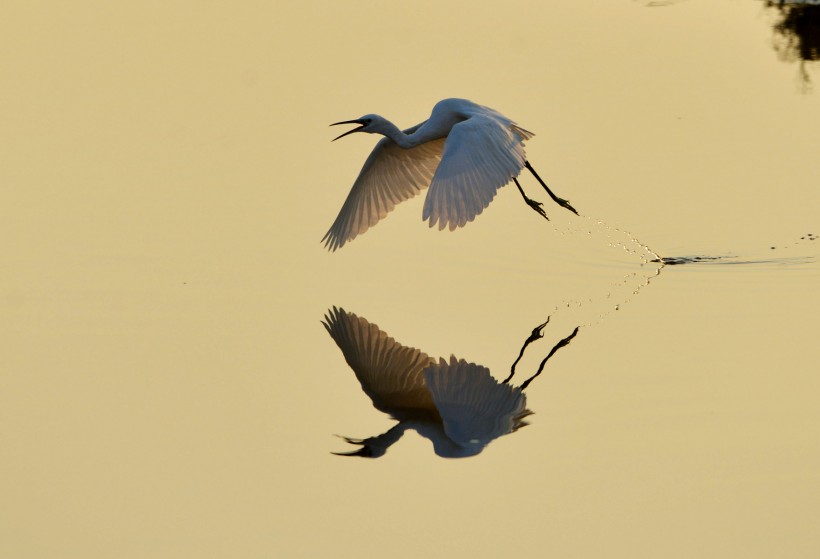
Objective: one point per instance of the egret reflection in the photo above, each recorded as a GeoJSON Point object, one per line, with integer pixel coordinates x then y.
{"type": "Point", "coordinates": [459, 406]}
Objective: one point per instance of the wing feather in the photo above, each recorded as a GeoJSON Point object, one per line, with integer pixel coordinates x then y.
{"type": "Point", "coordinates": [481, 154]}
{"type": "Point", "coordinates": [389, 176]}
{"type": "Point", "coordinates": [390, 374]}
{"type": "Point", "coordinates": [474, 406]}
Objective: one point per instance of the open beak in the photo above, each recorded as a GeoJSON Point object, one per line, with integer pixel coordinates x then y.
{"type": "Point", "coordinates": [349, 131]}
{"type": "Point", "coordinates": [365, 451]}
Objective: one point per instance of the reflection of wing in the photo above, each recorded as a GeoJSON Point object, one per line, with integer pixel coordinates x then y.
{"type": "Point", "coordinates": [389, 176]}
{"type": "Point", "coordinates": [474, 406]}
{"type": "Point", "coordinates": [390, 373]}
{"type": "Point", "coordinates": [481, 155]}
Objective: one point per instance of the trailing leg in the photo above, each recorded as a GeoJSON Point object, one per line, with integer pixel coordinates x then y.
{"type": "Point", "coordinates": [530, 202]}
{"type": "Point", "coordinates": [558, 346]}
{"type": "Point", "coordinates": [536, 335]}
{"type": "Point", "coordinates": [559, 201]}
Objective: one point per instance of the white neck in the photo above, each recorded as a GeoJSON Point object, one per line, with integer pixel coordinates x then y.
{"type": "Point", "coordinates": [392, 131]}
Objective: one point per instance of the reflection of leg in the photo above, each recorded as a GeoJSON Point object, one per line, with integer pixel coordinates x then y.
{"type": "Point", "coordinates": [559, 345]}
{"type": "Point", "coordinates": [536, 335]}
{"type": "Point", "coordinates": [560, 201]}
{"type": "Point", "coordinates": [530, 202]}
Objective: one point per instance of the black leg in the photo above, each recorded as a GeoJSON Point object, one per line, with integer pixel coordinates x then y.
{"type": "Point", "coordinates": [530, 202]}
{"type": "Point", "coordinates": [558, 346]}
{"type": "Point", "coordinates": [536, 335]}
{"type": "Point", "coordinates": [560, 201]}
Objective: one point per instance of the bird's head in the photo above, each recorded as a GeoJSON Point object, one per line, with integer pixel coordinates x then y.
{"type": "Point", "coordinates": [372, 447]}
{"type": "Point", "coordinates": [367, 123]}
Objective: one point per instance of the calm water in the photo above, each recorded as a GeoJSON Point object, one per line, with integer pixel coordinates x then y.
{"type": "Point", "coordinates": [168, 388]}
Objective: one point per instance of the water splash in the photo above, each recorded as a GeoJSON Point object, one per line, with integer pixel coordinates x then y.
{"type": "Point", "coordinates": [646, 266]}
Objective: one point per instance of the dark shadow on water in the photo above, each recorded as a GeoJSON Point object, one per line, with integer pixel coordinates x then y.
{"type": "Point", "coordinates": [677, 260]}
{"type": "Point", "coordinates": [777, 258]}
{"type": "Point", "coordinates": [731, 260]}
{"type": "Point", "coordinates": [800, 244]}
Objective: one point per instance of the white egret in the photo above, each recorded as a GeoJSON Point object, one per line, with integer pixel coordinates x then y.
{"type": "Point", "coordinates": [464, 153]}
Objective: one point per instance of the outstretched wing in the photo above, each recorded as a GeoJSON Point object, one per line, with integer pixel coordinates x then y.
{"type": "Point", "coordinates": [474, 406]}
{"type": "Point", "coordinates": [390, 175]}
{"type": "Point", "coordinates": [390, 373]}
{"type": "Point", "coordinates": [481, 154]}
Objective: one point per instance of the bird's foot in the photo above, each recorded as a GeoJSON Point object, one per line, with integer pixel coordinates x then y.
{"type": "Point", "coordinates": [537, 333]}
{"type": "Point", "coordinates": [537, 207]}
{"type": "Point", "coordinates": [565, 204]}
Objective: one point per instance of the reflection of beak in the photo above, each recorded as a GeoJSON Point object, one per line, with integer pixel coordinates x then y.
{"type": "Point", "coordinates": [350, 131]}
{"type": "Point", "coordinates": [365, 451]}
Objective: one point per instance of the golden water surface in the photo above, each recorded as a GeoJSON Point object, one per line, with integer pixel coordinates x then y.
{"type": "Point", "coordinates": [167, 388]}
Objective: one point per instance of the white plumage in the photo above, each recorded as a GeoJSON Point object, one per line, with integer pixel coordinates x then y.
{"type": "Point", "coordinates": [464, 153]}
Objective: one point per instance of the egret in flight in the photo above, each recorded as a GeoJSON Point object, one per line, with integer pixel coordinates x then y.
{"type": "Point", "coordinates": [464, 153]}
